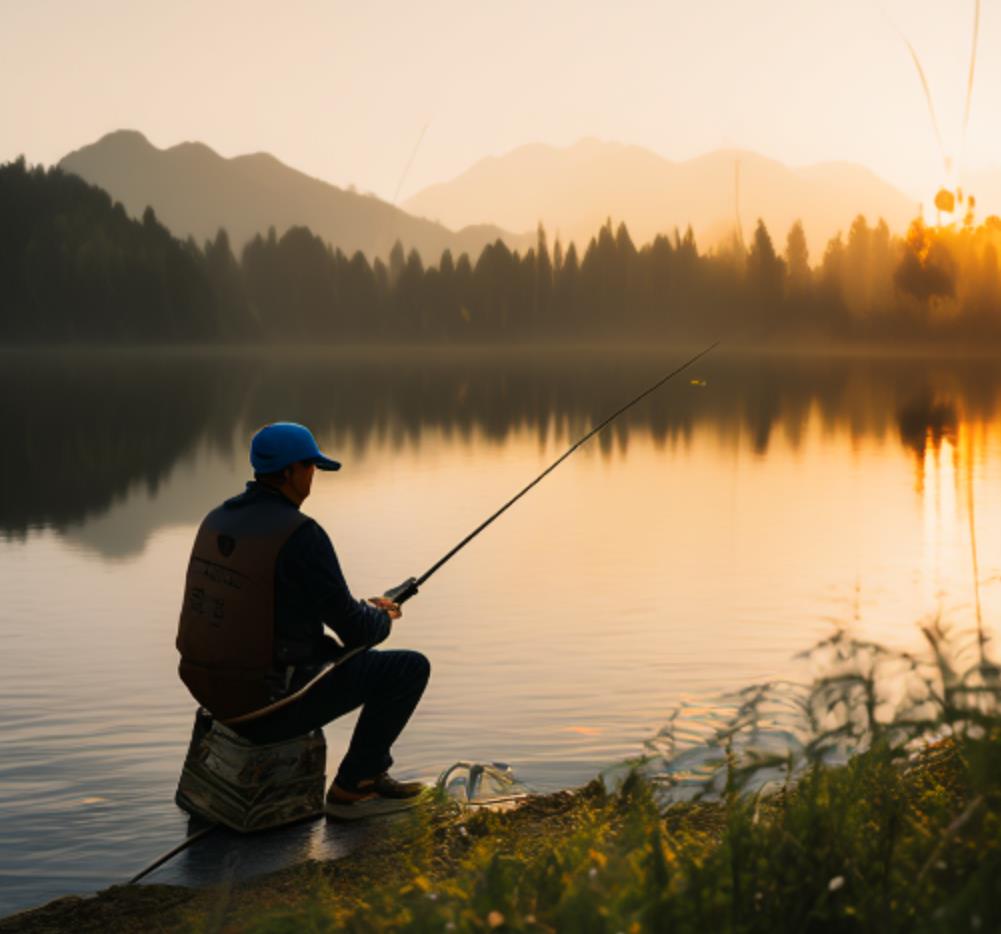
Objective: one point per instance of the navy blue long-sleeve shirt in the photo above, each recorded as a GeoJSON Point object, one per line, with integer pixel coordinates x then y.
{"type": "Point", "coordinates": [310, 592]}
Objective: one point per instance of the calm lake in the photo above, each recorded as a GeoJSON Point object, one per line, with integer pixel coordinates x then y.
{"type": "Point", "coordinates": [720, 528]}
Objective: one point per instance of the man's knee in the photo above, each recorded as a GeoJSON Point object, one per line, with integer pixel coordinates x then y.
{"type": "Point", "coordinates": [403, 667]}
{"type": "Point", "coordinates": [420, 666]}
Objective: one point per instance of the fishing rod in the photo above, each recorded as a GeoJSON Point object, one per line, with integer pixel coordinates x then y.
{"type": "Point", "coordinates": [183, 845]}
{"type": "Point", "coordinates": [403, 592]}
{"type": "Point", "coordinates": [411, 585]}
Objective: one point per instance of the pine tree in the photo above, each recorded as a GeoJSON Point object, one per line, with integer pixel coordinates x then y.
{"type": "Point", "coordinates": [797, 257]}
{"type": "Point", "coordinates": [765, 272]}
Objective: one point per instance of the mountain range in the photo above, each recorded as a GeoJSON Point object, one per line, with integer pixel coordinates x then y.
{"type": "Point", "coordinates": [194, 191]}
{"type": "Point", "coordinates": [572, 190]}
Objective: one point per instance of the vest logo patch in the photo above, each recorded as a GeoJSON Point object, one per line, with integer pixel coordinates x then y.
{"type": "Point", "coordinates": [226, 544]}
{"type": "Point", "coordinates": [216, 572]}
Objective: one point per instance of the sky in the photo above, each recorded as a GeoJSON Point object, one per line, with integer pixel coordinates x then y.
{"type": "Point", "coordinates": [345, 91]}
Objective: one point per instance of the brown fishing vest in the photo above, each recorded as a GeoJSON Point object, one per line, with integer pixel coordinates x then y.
{"type": "Point", "coordinates": [227, 628]}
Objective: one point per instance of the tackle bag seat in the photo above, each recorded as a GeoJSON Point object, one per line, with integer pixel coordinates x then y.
{"type": "Point", "coordinates": [229, 780]}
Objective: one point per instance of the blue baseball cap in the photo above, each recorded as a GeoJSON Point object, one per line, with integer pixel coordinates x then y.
{"type": "Point", "coordinates": [276, 446]}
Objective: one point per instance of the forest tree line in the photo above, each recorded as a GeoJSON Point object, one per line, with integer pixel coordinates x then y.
{"type": "Point", "coordinates": [76, 268]}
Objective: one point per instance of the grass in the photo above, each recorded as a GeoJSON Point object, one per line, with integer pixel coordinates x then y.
{"type": "Point", "coordinates": [902, 834]}
{"type": "Point", "coordinates": [881, 811]}
{"type": "Point", "coordinates": [866, 846]}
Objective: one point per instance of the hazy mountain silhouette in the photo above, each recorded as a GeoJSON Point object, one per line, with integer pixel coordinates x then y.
{"type": "Point", "coordinates": [573, 190]}
{"type": "Point", "coordinates": [195, 191]}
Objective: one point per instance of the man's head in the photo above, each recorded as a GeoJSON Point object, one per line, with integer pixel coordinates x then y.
{"type": "Point", "coordinates": [285, 455]}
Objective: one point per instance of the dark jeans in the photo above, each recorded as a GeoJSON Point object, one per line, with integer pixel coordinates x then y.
{"type": "Point", "coordinates": [387, 686]}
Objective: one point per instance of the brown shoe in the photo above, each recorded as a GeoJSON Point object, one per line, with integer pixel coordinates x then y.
{"type": "Point", "coordinates": [372, 796]}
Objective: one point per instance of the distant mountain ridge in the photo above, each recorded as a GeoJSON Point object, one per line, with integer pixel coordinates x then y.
{"type": "Point", "coordinates": [195, 191]}
{"type": "Point", "coordinates": [573, 189]}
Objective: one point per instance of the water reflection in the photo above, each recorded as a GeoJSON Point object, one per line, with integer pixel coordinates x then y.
{"type": "Point", "coordinates": [950, 441]}
{"type": "Point", "coordinates": [693, 550]}
{"type": "Point", "coordinates": [926, 424]}
{"type": "Point", "coordinates": [88, 429]}
{"type": "Point", "coordinates": [79, 431]}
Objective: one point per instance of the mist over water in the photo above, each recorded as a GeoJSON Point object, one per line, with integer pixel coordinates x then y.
{"type": "Point", "coordinates": [693, 548]}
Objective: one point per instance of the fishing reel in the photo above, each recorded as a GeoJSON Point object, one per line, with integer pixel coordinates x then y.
{"type": "Point", "coordinates": [402, 592]}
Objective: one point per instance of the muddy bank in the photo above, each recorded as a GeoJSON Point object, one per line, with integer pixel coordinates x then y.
{"type": "Point", "coordinates": [438, 837]}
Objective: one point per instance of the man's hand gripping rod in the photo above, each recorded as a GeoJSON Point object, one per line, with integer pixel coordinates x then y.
{"type": "Point", "coordinates": [411, 585]}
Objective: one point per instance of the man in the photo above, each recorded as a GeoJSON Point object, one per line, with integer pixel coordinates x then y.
{"type": "Point", "coordinates": [262, 583]}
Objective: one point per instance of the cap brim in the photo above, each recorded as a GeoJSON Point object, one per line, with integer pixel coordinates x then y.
{"type": "Point", "coordinates": [325, 463]}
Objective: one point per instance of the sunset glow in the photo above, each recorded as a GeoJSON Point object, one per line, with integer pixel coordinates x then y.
{"type": "Point", "coordinates": [574, 424]}
{"type": "Point", "coordinates": [344, 91]}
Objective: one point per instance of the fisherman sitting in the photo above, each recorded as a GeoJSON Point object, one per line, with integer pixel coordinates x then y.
{"type": "Point", "coordinates": [262, 583]}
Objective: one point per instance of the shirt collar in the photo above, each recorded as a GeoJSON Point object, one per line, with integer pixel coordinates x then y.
{"type": "Point", "coordinates": [265, 489]}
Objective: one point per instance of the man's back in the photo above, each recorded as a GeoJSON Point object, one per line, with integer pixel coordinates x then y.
{"type": "Point", "coordinates": [226, 631]}
{"type": "Point", "coordinates": [262, 584]}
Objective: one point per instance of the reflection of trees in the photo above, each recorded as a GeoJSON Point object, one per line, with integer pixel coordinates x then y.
{"type": "Point", "coordinates": [79, 431]}
{"type": "Point", "coordinates": [925, 420]}
{"type": "Point", "coordinates": [925, 423]}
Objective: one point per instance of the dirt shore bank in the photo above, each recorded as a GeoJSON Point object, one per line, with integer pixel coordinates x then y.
{"type": "Point", "coordinates": [442, 834]}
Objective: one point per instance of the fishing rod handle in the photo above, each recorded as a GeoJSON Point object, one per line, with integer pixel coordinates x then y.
{"type": "Point", "coordinates": [402, 592]}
